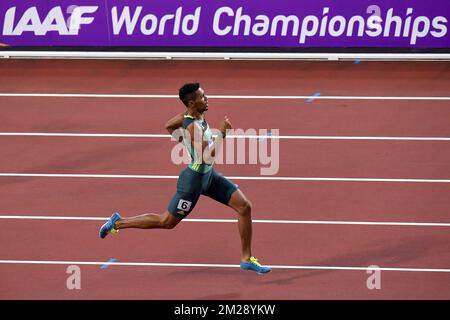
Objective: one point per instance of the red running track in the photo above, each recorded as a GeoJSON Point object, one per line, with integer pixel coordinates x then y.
{"type": "Point", "coordinates": [218, 243]}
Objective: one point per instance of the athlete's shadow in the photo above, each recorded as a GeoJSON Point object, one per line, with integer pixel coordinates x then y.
{"type": "Point", "coordinates": [389, 253]}
{"type": "Point", "coordinates": [234, 276]}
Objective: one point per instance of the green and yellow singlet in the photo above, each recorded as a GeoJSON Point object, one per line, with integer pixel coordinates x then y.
{"type": "Point", "coordinates": [196, 159]}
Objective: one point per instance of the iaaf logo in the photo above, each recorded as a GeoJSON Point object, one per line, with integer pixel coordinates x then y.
{"type": "Point", "coordinates": [15, 25]}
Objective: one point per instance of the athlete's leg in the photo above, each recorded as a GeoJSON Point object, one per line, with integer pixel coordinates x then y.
{"type": "Point", "coordinates": [182, 203]}
{"type": "Point", "coordinates": [224, 191]}
{"type": "Point", "coordinates": [180, 206]}
{"type": "Point", "coordinates": [149, 221]}
{"type": "Point", "coordinates": [243, 207]}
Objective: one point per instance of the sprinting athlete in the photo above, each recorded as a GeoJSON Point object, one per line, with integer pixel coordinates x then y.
{"type": "Point", "coordinates": [199, 178]}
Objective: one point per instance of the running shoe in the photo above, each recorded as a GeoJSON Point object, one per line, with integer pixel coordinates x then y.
{"type": "Point", "coordinates": [110, 225]}
{"type": "Point", "coordinates": [254, 265]}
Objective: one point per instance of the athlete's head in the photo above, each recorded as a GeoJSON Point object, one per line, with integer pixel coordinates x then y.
{"type": "Point", "coordinates": [193, 97]}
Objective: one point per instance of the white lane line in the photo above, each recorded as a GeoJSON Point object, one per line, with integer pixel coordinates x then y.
{"type": "Point", "coordinates": [326, 222]}
{"type": "Point", "coordinates": [101, 135]}
{"type": "Point", "coordinates": [260, 178]}
{"type": "Point", "coordinates": [131, 135]}
{"type": "Point", "coordinates": [107, 176]}
{"type": "Point", "coordinates": [172, 96]}
{"type": "Point", "coordinates": [333, 222]}
{"type": "Point", "coordinates": [208, 265]}
{"type": "Point", "coordinates": [54, 218]}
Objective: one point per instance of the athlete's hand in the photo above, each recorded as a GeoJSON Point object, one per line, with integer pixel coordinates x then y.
{"type": "Point", "coordinates": [225, 125]}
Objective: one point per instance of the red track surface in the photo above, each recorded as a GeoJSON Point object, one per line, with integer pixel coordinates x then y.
{"type": "Point", "coordinates": [218, 243]}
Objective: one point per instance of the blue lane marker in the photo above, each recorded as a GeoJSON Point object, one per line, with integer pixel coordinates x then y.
{"type": "Point", "coordinates": [357, 61]}
{"type": "Point", "coordinates": [106, 265]}
{"type": "Point", "coordinates": [264, 137]}
{"type": "Point", "coordinates": [317, 94]}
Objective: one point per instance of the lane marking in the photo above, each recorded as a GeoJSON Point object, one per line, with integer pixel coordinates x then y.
{"type": "Point", "coordinates": [172, 96]}
{"type": "Point", "coordinates": [207, 265]}
{"type": "Point", "coordinates": [259, 178]}
{"type": "Point", "coordinates": [108, 263]}
{"type": "Point", "coordinates": [314, 97]}
{"type": "Point", "coordinates": [67, 134]}
{"type": "Point", "coordinates": [325, 222]}
{"type": "Point", "coordinates": [268, 136]}
{"type": "Point", "coordinates": [264, 137]}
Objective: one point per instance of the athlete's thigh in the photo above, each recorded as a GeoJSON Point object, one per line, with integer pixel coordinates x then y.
{"type": "Point", "coordinates": [221, 189]}
{"type": "Point", "coordinates": [182, 204]}
{"type": "Point", "coordinates": [187, 195]}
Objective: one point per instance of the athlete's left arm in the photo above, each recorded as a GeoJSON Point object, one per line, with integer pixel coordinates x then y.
{"type": "Point", "coordinates": [224, 126]}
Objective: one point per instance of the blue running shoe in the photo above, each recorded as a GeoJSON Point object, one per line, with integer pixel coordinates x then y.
{"type": "Point", "coordinates": [109, 226]}
{"type": "Point", "coordinates": [254, 265]}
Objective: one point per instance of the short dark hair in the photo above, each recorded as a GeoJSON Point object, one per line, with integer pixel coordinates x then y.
{"type": "Point", "coordinates": [186, 92]}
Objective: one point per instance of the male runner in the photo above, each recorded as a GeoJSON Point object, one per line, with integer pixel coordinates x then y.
{"type": "Point", "coordinates": [197, 179]}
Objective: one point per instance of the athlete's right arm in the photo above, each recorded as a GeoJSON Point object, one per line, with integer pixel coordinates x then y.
{"type": "Point", "coordinates": [175, 122]}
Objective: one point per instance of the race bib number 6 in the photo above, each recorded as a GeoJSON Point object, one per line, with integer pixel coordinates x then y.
{"type": "Point", "coordinates": [184, 205]}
